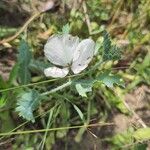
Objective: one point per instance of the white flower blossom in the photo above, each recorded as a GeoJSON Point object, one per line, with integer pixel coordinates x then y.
{"type": "Point", "coordinates": [67, 52]}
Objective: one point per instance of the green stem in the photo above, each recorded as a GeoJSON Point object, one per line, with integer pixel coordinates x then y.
{"type": "Point", "coordinates": [88, 111]}
{"type": "Point", "coordinates": [57, 129]}
{"type": "Point", "coordinates": [57, 88]}
{"type": "Point", "coordinates": [27, 85]}
{"type": "Point", "coordinates": [21, 125]}
{"type": "Point", "coordinates": [51, 80]}
{"type": "Point", "coordinates": [47, 127]}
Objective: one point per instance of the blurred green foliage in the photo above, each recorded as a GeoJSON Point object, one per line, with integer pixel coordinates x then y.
{"type": "Point", "coordinates": [93, 98]}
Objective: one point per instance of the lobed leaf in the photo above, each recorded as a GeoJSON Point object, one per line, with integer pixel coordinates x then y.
{"type": "Point", "coordinates": [110, 52]}
{"type": "Point", "coordinates": [27, 103]}
{"type": "Point", "coordinates": [84, 86]}
{"type": "Point", "coordinates": [110, 80]}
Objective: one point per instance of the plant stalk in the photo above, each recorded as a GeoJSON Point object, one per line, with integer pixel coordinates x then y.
{"type": "Point", "coordinates": [57, 88]}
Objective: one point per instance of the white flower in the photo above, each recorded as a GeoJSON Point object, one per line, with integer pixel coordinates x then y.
{"type": "Point", "coordinates": [67, 52]}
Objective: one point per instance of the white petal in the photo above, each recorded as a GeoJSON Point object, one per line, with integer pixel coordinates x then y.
{"type": "Point", "coordinates": [83, 55]}
{"type": "Point", "coordinates": [70, 45]}
{"type": "Point", "coordinates": [59, 49]}
{"type": "Point", "coordinates": [76, 68]}
{"type": "Point", "coordinates": [56, 72]}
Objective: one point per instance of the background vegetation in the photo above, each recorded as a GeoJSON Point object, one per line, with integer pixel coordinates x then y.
{"type": "Point", "coordinates": [99, 111]}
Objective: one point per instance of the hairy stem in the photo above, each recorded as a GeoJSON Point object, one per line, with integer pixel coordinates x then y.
{"type": "Point", "coordinates": [57, 88]}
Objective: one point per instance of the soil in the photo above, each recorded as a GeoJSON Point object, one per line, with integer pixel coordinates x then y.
{"type": "Point", "coordinates": [7, 61]}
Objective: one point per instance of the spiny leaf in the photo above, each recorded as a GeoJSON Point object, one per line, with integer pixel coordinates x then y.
{"type": "Point", "coordinates": [110, 52]}
{"type": "Point", "coordinates": [84, 86]}
{"type": "Point", "coordinates": [24, 58]}
{"type": "Point", "coordinates": [109, 79]}
{"type": "Point", "coordinates": [107, 41]}
{"type": "Point", "coordinates": [27, 103]}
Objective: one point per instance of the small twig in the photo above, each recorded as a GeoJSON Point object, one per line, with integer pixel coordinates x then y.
{"type": "Point", "coordinates": [6, 142]}
{"type": "Point", "coordinates": [87, 19]}
{"type": "Point", "coordinates": [141, 122]}
{"type": "Point", "coordinates": [116, 14]}
{"type": "Point", "coordinates": [34, 16]}
{"type": "Point", "coordinates": [118, 68]}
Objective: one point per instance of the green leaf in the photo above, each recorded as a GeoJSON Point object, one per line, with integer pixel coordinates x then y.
{"type": "Point", "coordinates": [123, 138]}
{"type": "Point", "coordinates": [143, 69]}
{"type": "Point", "coordinates": [97, 47]}
{"type": "Point", "coordinates": [24, 58]}
{"type": "Point", "coordinates": [83, 88]}
{"type": "Point", "coordinates": [64, 113]}
{"type": "Point", "coordinates": [7, 122]}
{"type": "Point", "coordinates": [146, 61]}
{"type": "Point", "coordinates": [114, 101]}
{"type": "Point", "coordinates": [109, 79]}
{"type": "Point", "coordinates": [140, 146]}
{"type": "Point", "coordinates": [79, 135]}
{"type": "Point", "coordinates": [66, 29]}
{"type": "Point", "coordinates": [27, 103]}
{"type": "Point", "coordinates": [2, 101]}
{"type": "Point", "coordinates": [2, 83]}
{"type": "Point", "coordinates": [6, 31]}
{"type": "Point", "coordinates": [110, 52]}
{"type": "Point", "coordinates": [13, 74]}
{"type": "Point", "coordinates": [106, 42]}
{"type": "Point", "coordinates": [142, 134]}
{"type": "Point", "coordinates": [79, 112]}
